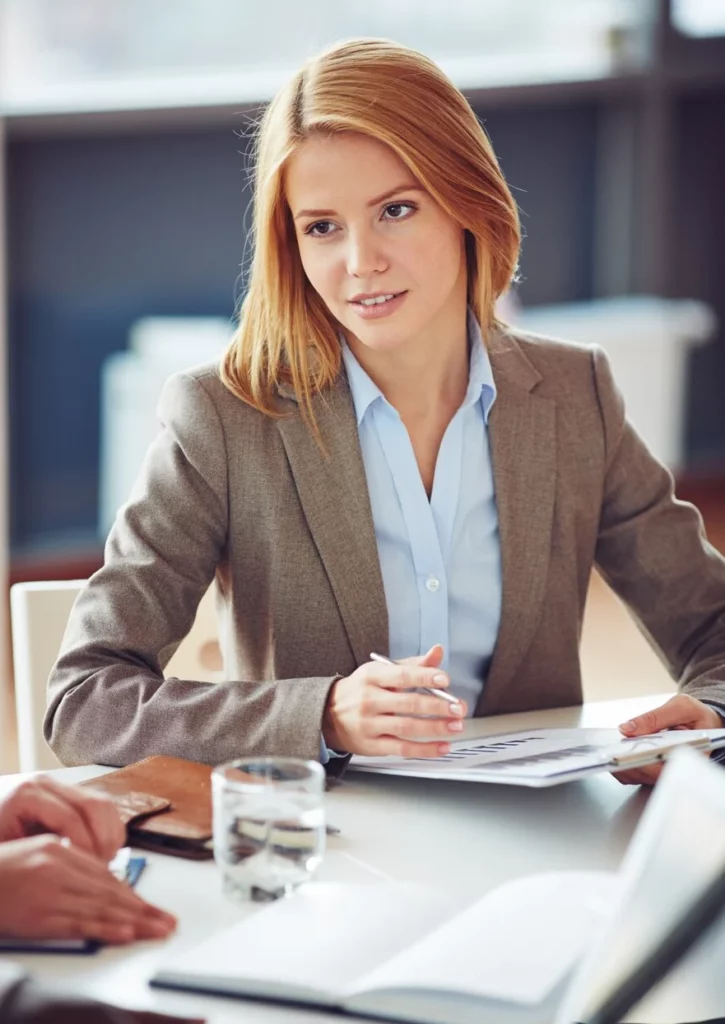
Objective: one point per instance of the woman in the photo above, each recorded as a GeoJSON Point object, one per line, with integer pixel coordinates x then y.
{"type": "Point", "coordinates": [379, 465]}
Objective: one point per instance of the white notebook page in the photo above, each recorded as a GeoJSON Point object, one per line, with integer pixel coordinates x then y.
{"type": "Point", "coordinates": [516, 944]}
{"type": "Point", "coordinates": [323, 938]}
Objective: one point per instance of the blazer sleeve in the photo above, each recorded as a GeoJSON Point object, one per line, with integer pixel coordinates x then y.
{"type": "Point", "coordinates": [653, 552]}
{"type": "Point", "coordinates": [108, 700]}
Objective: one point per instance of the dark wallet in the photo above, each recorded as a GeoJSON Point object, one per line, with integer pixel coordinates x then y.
{"type": "Point", "coordinates": [165, 803]}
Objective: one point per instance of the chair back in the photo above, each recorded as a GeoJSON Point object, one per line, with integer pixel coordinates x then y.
{"type": "Point", "coordinates": [39, 614]}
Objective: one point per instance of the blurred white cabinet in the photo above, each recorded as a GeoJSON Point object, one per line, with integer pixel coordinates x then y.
{"type": "Point", "coordinates": [647, 340]}
{"type": "Point", "coordinates": [130, 389]}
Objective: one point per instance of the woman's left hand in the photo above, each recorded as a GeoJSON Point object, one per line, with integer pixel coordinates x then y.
{"type": "Point", "coordinates": [680, 712]}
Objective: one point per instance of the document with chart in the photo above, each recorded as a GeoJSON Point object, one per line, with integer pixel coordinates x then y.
{"type": "Point", "coordinates": [543, 757]}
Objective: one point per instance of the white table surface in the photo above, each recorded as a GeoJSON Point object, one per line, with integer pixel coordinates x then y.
{"type": "Point", "coordinates": [463, 837]}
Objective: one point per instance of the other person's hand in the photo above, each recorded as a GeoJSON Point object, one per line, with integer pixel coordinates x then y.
{"type": "Point", "coordinates": [52, 889]}
{"type": "Point", "coordinates": [680, 712]}
{"type": "Point", "coordinates": [375, 711]}
{"type": "Point", "coordinates": [89, 820]}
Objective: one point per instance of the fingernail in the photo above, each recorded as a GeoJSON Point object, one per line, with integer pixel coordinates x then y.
{"type": "Point", "coordinates": [444, 748]}
{"type": "Point", "coordinates": [164, 916]}
{"type": "Point", "coordinates": [628, 727]}
{"type": "Point", "coordinates": [159, 927]}
{"type": "Point", "coordinates": [440, 679]}
{"type": "Point", "coordinates": [455, 726]}
{"type": "Point", "coordinates": [456, 709]}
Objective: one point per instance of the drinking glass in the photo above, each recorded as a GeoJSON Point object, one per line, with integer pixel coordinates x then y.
{"type": "Point", "coordinates": [269, 825]}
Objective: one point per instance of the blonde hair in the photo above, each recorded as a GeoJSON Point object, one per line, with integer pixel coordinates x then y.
{"type": "Point", "coordinates": [285, 334]}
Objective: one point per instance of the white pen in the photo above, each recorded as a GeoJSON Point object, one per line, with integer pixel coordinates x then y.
{"type": "Point", "coordinates": [428, 689]}
{"type": "Point", "coordinates": [119, 865]}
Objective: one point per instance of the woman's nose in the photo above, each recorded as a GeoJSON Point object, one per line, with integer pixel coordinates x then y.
{"type": "Point", "coordinates": [364, 256]}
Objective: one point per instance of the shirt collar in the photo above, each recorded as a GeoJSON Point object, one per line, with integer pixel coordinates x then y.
{"type": "Point", "coordinates": [480, 374]}
{"type": "Point", "coordinates": [363, 389]}
{"type": "Point", "coordinates": [481, 385]}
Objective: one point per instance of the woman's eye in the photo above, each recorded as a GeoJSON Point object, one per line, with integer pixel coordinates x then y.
{"type": "Point", "coordinates": [320, 229]}
{"type": "Point", "coordinates": [398, 211]}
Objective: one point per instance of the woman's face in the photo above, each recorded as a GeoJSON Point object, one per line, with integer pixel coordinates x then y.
{"type": "Point", "coordinates": [367, 230]}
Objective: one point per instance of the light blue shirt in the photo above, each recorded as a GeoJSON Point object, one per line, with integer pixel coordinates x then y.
{"type": "Point", "coordinates": [440, 558]}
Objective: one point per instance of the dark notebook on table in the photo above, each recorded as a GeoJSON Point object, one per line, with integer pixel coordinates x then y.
{"type": "Point", "coordinates": [166, 803]}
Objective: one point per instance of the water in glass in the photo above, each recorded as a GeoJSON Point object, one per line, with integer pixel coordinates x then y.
{"type": "Point", "coordinates": [268, 839]}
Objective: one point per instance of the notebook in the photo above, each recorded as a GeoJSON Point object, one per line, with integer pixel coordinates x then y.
{"type": "Point", "coordinates": [547, 949]}
{"type": "Point", "coordinates": [166, 802]}
{"type": "Point", "coordinates": [543, 757]}
{"type": "Point", "coordinates": [402, 952]}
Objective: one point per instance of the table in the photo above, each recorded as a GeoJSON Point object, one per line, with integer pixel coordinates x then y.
{"type": "Point", "coordinates": [466, 838]}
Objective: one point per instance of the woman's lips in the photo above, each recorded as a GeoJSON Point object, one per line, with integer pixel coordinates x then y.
{"type": "Point", "coordinates": [379, 309]}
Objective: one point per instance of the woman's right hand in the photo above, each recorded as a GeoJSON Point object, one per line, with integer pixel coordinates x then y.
{"type": "Point", "coordinates": [51, 889]}
{"type": "Point", "coordinates": [375, 711]}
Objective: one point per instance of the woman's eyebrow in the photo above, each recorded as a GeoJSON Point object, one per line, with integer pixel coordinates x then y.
{"type": "Point", "coordinates": [408, 187]}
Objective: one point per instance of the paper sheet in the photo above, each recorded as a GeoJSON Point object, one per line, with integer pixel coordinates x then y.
{"type": "Point", "coordinates": [323, 938]}
{"type": "Point", "coordinates": [534, 756]}
{"type": "Point", "coordinates": [515, 945]}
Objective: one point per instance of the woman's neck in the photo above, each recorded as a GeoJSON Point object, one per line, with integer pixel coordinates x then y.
{"type": "Point", "coordinates": [426, 377]}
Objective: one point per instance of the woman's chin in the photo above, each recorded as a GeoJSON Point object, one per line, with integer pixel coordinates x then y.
{"type": "Point", "coordinates": [380, 341]}
{"type": "Point", "coordinates": [379, 335]}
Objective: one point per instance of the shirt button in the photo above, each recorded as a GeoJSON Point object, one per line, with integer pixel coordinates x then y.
{"type": "Point", "coordinates": [432, 584]}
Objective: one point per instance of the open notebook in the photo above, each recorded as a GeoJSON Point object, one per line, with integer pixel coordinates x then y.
{"type": "Point", "coordinates": [403, 953]}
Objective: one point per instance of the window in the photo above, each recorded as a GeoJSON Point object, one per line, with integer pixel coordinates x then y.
{"type": "Point", "coordinates": [699, 17]}
{"type": "Point", "coordinates": [104, 54]}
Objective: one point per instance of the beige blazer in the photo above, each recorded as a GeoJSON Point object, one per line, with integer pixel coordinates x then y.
{"type": "Point", "coordinates": [289, 534]}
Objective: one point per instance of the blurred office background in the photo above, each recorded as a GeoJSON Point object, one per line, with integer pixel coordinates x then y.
{"type": "Point", "coordinates": [125, 129]}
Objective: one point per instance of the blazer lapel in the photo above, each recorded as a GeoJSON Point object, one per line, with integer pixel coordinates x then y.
{"type": "Point", "coordinates": [333, 491]}
{"type": "Point", "coordinates": [522, 439]}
